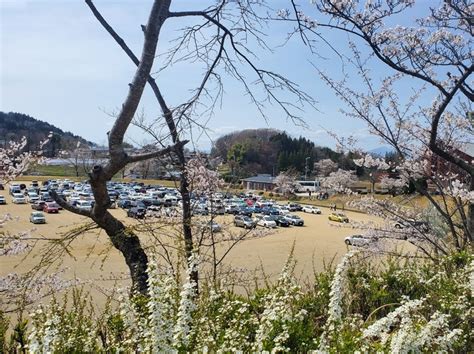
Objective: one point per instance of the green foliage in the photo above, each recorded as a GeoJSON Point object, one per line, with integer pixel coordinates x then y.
{"type": "Point", "coordinates": [3, 332]}
{"type": "Point", "coordinates": [395, 303]}
{"type": "Point", "coordinates": [255, 151]}
{"type": "Point", "coordinates": [13, 126]}
{"type": "Point", "coordinates": [63, 325]}
{"type": "Point", "coordinates": [19, 337]}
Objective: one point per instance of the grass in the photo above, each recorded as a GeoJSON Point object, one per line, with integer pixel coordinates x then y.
{"type": "Point", "coordinates": [56, 170]}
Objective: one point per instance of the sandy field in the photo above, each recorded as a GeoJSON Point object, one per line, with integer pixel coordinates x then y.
{"type": "Point", "coordinates": [316, 243]}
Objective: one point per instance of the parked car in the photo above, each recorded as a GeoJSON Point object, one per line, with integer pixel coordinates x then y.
{"type": "Point", "coordinates": [211, 226]}
{"type": "Point", "coordinates": [245, 211]}
{"type": "Point", "coordinates": [15, 188]}
{"type": "Point", "coordinates": [280, 220]}
{"type": "Point", "coordinates": [136, 212]}
{"type": "Point", "coordinates": [244, 221]}
{"type": "Point", "coordinates": [39, 205]}
{"type": "Point", "coordinates": [214, 226]}
{"type": "Point", "coordinates": [357, 240]}
{"type": "Point", "coordinates": [270, 211]}
{"type": "Point", "coordinates": [18, 198]}
{"type": "Point", "coordinates": [339, 217]}
{"type": "Point", "coordinates": [282, 210]}
{"type": "Point", "coordinates": [418, 225]}
{"type": "Point", "coordinates": [37, 217]}
{"type": "Point", "coordinates": [125, 204]}
{"type": "Point", "coordinates": [84, 204]}
{"type": "Point", "coordinates": [295, 207]}
{"type": "Point", "coordinates": [200, 209]}
{"type": "Point", "coordinates": [294, 220]}
{"type": "Point", "coordinates": [32, 197]}
{"type": "Point", "coordinates": [311, 209]}
{"type": "Point", "coordinates": [266, 221]}
{"type": "Point", "coordinates": [50, 208]}
{"type": "Point", "coordinates": [57, 205]}
{"type": "Point", "coordinates": [217, 210]}
{"type": "Point", "coordinates": [232, 209]}
{"type": "Point", "coordinates": [3, 200]}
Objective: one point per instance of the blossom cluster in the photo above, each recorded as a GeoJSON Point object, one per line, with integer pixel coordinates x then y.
{"type": "Point", "coordinates": [339, 181]}
{"type": "Point", "coordinates": [14, 161]}
{"type": "Point", "coordinates": [201, 179]}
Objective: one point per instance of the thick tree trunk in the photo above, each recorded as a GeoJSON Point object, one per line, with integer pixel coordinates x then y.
{"type": "Point", "coordinates": [129, 245]}
{"type": "Point", "coordinates": [123, 239]}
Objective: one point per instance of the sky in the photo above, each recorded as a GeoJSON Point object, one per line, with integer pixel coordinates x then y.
{"type": "Point", "coordinates": [58, 64]}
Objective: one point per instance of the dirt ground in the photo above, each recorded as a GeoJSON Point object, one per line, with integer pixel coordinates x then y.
{"type": "Point", "coordinates": [316, 243]}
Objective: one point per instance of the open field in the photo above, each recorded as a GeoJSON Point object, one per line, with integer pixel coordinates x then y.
{"type": "Point", "coordinates": [316, 243]}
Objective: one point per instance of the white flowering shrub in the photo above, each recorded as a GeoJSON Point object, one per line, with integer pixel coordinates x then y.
{"type": "Point", "coordinates": [57, 328]}
{"type": "Point", "coordinates": [393, 307]}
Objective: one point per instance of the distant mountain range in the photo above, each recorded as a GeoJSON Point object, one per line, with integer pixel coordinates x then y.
{"type": "Point", "coordinates": [381, 151]}
{"type": "Point", "coordinates": [13, 126]}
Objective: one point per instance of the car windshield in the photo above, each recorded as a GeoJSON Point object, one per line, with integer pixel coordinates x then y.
{"type": "Point", "coordinates": [341, 214]}
{"type": "Point", "coordinates": [37, 214]}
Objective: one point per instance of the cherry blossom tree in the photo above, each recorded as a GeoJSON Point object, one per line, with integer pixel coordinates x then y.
{"type": "Point", "coordinates": [15, 160]}
{"type": "Point", "coordinates": [434, 57]}
{"type": "Point", "coordinates": [285, 183]}
{"type": "Point", "coordinates": [325, 166]}
{"type": "Point", "coordinates": [339, 181]}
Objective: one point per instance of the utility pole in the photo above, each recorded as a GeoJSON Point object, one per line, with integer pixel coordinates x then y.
{"type": "Point", "coordinates": [306, 168]}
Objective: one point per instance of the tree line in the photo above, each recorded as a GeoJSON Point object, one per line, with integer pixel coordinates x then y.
{"type": "Point", "coordinates": [254, 151]}
{"type": "Point", "coordinates": [14, 126]}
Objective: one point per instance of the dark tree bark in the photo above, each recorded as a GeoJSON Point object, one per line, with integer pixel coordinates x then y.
{"type": "Point", "coordinates": [213, 52]}
{"type": "Point", "coordinates": [123, 239]}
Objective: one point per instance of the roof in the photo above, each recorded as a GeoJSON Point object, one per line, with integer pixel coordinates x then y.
{"type": "Point", "coordinates": [263, 178]}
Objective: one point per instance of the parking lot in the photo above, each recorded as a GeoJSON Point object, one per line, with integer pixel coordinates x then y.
{"type": "Point", "coordinates": [318, 242]}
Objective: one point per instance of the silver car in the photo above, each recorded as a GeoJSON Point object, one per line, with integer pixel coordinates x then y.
{"type": "Point", "coordinates": [37, 217]}
{"type": "Point", "coordinates": [244, 221]}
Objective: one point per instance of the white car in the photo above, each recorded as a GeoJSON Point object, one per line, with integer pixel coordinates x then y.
{"type": "Point", "coordinates": [283, 210]}
{"type": "Point", "coordinates": [266, 221]}
{"type": "Point", "coordinates": [311, 209]}
{"type": "Point", "coordinates": [33, 197]}
{"type": "Point", "coordinates": [18, 198]}
{"type": "Point", "coordinates": [3, 200]}
{"type": "Point", "coordinates": [358, 241]}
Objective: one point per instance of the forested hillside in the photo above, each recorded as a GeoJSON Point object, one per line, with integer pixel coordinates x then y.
{"type": "Point", "coordinates": [271, 151]}
{"type": "Point", "coordinates": [13, 126]}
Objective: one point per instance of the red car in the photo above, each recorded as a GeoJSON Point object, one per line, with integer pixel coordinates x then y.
{"type": "Point", "coordinates": [50, 208]}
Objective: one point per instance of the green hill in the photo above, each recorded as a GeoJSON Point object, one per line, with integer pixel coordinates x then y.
{"type": "Point", "coordinates": [252, 151]}
{"type": "Point", "coordinates": [13, 126]}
